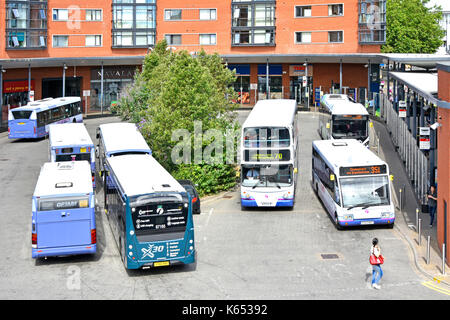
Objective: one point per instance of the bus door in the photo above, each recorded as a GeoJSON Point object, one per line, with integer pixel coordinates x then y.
{"type": "Point", "coordinates": [64, 222]}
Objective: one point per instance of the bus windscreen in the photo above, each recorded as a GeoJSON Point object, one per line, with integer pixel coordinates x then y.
{"type": "Point", "coordinates": [365, 191]}
{"type": "Point", "coordinates": [349, 126]}
{"type": "Point", "coordinates": [267, 176]}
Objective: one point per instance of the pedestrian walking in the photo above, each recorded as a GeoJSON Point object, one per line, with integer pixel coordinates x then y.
{"type": "Point", "coordinates": [432, 203]}
{"type": "Point", "coordinates": [376, 260]}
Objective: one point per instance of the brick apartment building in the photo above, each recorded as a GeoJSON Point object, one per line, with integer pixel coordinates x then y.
{"type": "Point", "coordinates": [62, 47]}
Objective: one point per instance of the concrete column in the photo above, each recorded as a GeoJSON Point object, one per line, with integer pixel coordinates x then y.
{"type": "Point", "coordinates": [64, 81]}
{"type": "Point", "coordinates": [340, 77]}
{"type": "Point", "coordinates": [101, 89]}
{"type": "Point", "coordinates": [267, 80]}
{"type": "Point", "coordinates": [368, 80]}
{"type": "Point", "coordinates": [307, 84]}
{"type": "Point", "coordinates": [29, 81]}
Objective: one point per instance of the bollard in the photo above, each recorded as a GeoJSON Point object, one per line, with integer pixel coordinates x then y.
{"type": "Point", "coordinates": [417, 219]}
{"type": "Point", "coordinates": [428, 249]}
{"type": "Point", "coordinates": [400, 199]}
{"type": "Point", "coordinates": [420, 232]}
{"type": "Point", "coordinates": [443, 259]}
{"type": "Point", "coordinates": [378, 145]}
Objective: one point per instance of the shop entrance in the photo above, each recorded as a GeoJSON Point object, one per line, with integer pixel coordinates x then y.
{"type": "Point", "coordinates": [298, 90]}
{"type": "Point", "coordinates": [52, 87]}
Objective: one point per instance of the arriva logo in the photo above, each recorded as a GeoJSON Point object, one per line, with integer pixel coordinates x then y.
{"type": "Point", "coordinates": [151, 250]}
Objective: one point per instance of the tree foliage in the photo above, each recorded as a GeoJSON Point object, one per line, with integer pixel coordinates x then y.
{"type": "Point", "coordinates": [412, 27]}
{"type": "Point", "coordinates": [173, 90]}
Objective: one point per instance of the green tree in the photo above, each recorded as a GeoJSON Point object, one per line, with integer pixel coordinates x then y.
{"type": "Point", "coordinates": [173, 91]}
{"type": "Point", "coordinates": [412, 27]}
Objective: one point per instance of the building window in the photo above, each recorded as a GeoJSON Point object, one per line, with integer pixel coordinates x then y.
{"type": "Point", "coordinates": [336, 9]}
{"type": "Point", "coordinates": [207, 39]}
{"type": "Point", "coordinates": [253, 23]}
{"type": "Point", "coordinates": [172, 14]}
{"type": "Point", "coordinates": [303, 37]}
{"type": "Point", "coordinates": [94, 40]}
{"type": "Point", "coordinates": [122, 39]}
{"type": "Point", "coordinates": [208, 14]}
{"type": "Point", "coordinates": [60, 41]}
{"type": "Point", "coordinates": [302, 11]}
{"type": "Point", "coordinates": [26, 24]}
{"type": "Point", "coordinates": [372, 21]}
{"type": "Point", "coordinates": [173, 39]}
{"type": "Point", "coordinates": [335, 36]}
{"type": "Point", "coordinates": [93, 15]}
{"type": "Point", "coordinates": [60, 14]}
{"type": "Point", "coordinates": [134, 23]}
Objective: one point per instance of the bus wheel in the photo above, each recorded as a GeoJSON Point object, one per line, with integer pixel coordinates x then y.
{"type": "Point", "coordinates": [74, 120]}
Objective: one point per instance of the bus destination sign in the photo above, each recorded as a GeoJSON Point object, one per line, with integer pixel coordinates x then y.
{"type": "Point", "coordinates": [267, 155]}
{"type": "Point", "coordinates": [363, 170]}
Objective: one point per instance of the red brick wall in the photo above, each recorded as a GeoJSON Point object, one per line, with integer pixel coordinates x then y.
{"type": "Point", "coordinates": [443, 139]}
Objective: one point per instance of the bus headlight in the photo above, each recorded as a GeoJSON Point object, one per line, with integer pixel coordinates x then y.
{"type": "Point", "coordinates": [247, 196]}
{"type": "Point", "coordinates": [387, 215]}
{"type": "Point", "coordinates": [288, 196]}
{"type": "Point", "coordinates": [348, 217]}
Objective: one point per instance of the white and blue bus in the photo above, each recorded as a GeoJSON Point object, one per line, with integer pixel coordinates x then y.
{"type": "Point", "coordinates": [71, 142]}
{"type": "Point", "coordinates": [269, 155]}
{"type": "Point", "coordinates": [352, 183]}
{"type": "Point", "coordinates": [149, 212]}
{"type": "Point", "coordinates": [342, 118]}
{"type": "Point", "coordinates": [63, 211]}
{"type": "Point", "coordinates": [32, 120]}
{"type": "Point", "coordinates": [116, 139]}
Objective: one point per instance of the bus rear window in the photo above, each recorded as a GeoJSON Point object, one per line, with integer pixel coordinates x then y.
{"type": "Point", "coordinates": [63, 204]}
{"type": "Point", "coordinates": [73, 157]}
{"type": "Point", "coordinates": [21, 114]}
{"type": "Point", "coordinates": [159, 217]}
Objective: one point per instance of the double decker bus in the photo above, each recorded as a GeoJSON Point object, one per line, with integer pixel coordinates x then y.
{"type": "Point", "coordinates": [32, 120]}
{"type": "Point", "coordinates": [116, 139]}
{"type": "Point", "coordinates": [63, 211]}
{"type": "Point", "coordinates": [342, 118]}
{"type": "Point", "coordinates": [352, 183]}
{"type": "Point", "coordinates": [149, 212]}
{"type": "Point", "coordinates": [269, 155]}
{"type": "Point", "coordinates": [71, 142]}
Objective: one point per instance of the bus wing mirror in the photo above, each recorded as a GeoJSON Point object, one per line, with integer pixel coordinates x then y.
{"type": "Point", "coordinates": [391, 177]}
{"type": "Point", "coordinates": [331, 177]}
{"type": "Point", "coordinates": [371, 124]}
{"type": "Point", "coordinates": [295, 170]}
{"type": "Point", "coordinates": [328, 125]}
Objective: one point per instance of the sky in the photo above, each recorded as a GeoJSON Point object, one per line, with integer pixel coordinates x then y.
{"type": "Point", "coordinates": [445, 4]}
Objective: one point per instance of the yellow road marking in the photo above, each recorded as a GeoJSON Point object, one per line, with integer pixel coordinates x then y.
{"type": "Point", "coordinates": [433, 286]}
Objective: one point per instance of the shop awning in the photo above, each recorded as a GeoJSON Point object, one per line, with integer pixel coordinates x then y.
{"type": "Point", "coordinates": [423, 83]}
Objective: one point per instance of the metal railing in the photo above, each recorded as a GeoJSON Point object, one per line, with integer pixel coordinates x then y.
{"type": "Point", "coordinates": [415, 161]}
